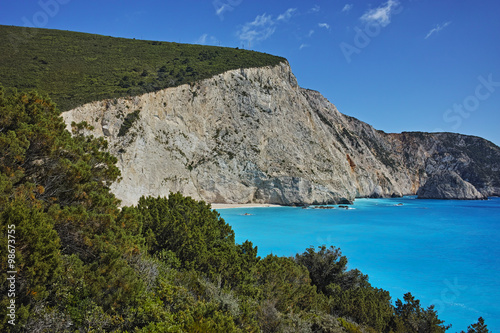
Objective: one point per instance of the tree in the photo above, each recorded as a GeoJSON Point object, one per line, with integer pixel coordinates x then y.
{"type": "Point", "coordinates": [197, 236]}
{"type": "Point", "coordinates": [328, 266]}
{"type": "Point", "coordinates": [35, 256]}
{"type": "Point", "coordinates": [366, 305]}
{"type": "Point", "coordinates": [412, 318]}
{"type": "Point", "coordinates": [479, 327]}
{"type": "Point", "coordinates": [285, 284]}
{"type": "Point", "coordinates": [73, 245]}
{"type": "Point", "coordinates": [42, 161]}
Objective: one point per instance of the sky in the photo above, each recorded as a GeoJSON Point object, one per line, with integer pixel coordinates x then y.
{"type": "Point", "coordinates": [399, 65]}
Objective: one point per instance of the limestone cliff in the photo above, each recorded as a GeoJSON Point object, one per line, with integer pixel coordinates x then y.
{"type": "Point", "coordinates": [253, 135]}
{"type": "Point", "coordinates": [448, 185]}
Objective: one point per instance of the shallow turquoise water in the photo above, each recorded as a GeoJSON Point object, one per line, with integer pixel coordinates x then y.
{"type": "Point", "coordinates": [445, 253]}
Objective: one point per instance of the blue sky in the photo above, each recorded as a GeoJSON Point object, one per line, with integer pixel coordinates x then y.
{"type": "Point", "coordinates": [400, 65]}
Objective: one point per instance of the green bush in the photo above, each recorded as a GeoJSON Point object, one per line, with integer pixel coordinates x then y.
{"type": "Point", "coordinates": [196, 236]}
{"type": "Point", "coordinates": [349, 326]}
{"type": "Point", "coordinates": [285, 283]}
{"type": "Point", "coordinates": [128, 122]}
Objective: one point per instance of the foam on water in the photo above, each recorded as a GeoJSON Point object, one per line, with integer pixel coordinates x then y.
{"type": "Point", "coordinates": [445, 253]}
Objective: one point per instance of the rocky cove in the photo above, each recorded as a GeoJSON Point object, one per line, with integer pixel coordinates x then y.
{"type": "Point", "coordinates": [254, 136]}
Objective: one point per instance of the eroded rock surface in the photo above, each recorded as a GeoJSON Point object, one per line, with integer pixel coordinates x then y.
{"type": "Point", "coordinates": [448, 185]}
{"type": "Point", "coordinates": [254, 136]}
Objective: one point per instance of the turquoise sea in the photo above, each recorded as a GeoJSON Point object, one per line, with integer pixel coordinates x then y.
{"type": "Point", "coordinates": [444, 252]}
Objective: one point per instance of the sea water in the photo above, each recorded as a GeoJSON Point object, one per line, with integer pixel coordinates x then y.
{"type": "Point", "coordinates": [445, 252]}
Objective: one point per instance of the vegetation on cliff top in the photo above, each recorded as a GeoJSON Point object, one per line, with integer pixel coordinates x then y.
{"type": "Point", "coordinates": [165, 265]}
{"type": "Point", "coordinates": [75, 68]}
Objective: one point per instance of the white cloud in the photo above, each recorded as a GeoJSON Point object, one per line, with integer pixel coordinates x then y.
{"type": "Point", "coordinates": [324, 25]}
{"type": "Point", "coordinates": [381, 15]}
{"type": "Point", "coordinates": [302, 46]}
{"type": "Point", "coordinates": [347, 8]}
{"type": "Point", "coordinates": [262, 20]}
{"type": "Point", "coordinates": [202, 39]}
{"type": "Point", "coordinates": [205, 39]}
{"type": "Point", "coordinates": [263, 26]}
{"type": "Point", "coordinates": [286, 15]}
{"type": "Point", "coordinates": [224, 8]}
{"type": "Point", "coordinates": [438, 28]}
{"type": "Point", "coordinates": [311, 32]}
{"type": "Point", "coordinates": [315, 9]}
{"type": "Point", "coordinates": [260, 29]}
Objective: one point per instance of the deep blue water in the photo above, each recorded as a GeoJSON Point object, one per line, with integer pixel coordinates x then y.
{"type": "Point", "coordinates": [445, 253]}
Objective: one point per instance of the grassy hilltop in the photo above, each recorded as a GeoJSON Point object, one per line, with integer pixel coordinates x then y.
{"type": "Point", "coordinates": [76, 68]}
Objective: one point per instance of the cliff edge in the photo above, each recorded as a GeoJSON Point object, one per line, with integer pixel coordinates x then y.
{"type": "Point", "coordinates": [254, 136]}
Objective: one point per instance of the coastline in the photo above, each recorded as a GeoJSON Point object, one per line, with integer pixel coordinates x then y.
{"type": "Point", "coordinates": [248, 205]}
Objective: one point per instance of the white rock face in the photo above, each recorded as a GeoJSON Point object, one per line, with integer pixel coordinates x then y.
{"type": "Point", "coordinates": [253, 135]}
{"type": "Point", "coordinates": [448, 185]}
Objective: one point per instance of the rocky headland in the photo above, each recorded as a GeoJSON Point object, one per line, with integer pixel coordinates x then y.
{"type": "Point", "coordinates": [448, 185]}
{"type": "Point", "coordinates": [254, 136]}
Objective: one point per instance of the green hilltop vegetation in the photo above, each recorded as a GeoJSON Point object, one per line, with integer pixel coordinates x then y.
{"type": "Point", "coordinates": [75, 68]}
{"type": "Point", "coordinates": [82, 264]}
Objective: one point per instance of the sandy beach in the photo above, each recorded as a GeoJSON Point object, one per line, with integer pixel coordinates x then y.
{"type": "Point", "coordinates": [250, 205]}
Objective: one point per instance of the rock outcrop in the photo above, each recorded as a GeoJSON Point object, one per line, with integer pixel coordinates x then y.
{"type": "Point", "coordinates": [253, 135]}
{"type": "Point", "coordinates": [448, 185]}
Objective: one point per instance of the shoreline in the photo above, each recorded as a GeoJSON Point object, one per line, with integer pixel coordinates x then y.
{"type": "Point", "coordinates": [257, 205]}
{"type": "Point", "coordinates": [248, 205]}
